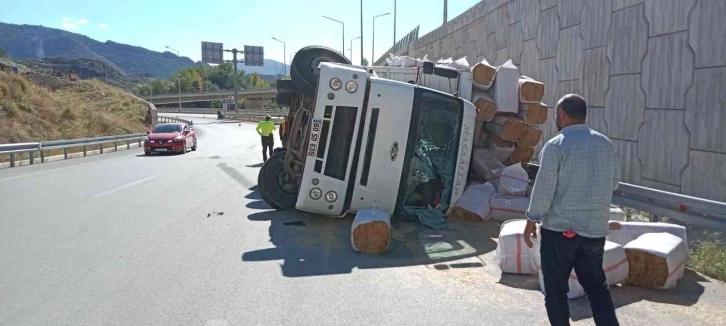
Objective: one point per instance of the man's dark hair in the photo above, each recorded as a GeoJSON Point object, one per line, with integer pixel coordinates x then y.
{"type": "Point", "coordinates": [574, 106]}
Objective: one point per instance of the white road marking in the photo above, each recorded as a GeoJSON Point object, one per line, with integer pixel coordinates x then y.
{"type": "Point", "coordinates": [124, 186]}
{"type": "Point", "coordinates": [60, 169]}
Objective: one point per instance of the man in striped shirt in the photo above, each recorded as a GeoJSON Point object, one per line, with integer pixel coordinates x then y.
{"type": "Point", "coordinates": [571, 198]}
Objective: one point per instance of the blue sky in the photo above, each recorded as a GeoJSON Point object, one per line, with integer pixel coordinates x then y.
{"type": "Point", "coordinates": [183, 24]}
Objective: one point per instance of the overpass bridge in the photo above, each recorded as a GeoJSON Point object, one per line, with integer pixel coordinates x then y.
{"type": "Point", "coordinates": [171, 98]}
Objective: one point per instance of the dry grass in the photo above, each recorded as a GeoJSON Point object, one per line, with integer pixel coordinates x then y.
{"type": "Point", "coordinates": [708, 256]}
{"type": "Point", "coordinates": [29, 112]}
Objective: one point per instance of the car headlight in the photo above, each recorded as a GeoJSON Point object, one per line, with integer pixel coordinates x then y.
{"type": "Point", "coordinates": [336, 84]}
{"type": "Point", "coordinates": [178, 138]}
{"type": "Point", "coordinates": [331, 196]}
{"type": "Point", "coordinates": [316, 193]}
{"type": "Point", "coordinates": [351, 86]}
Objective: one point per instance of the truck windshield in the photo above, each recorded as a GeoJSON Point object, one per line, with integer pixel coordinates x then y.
{"type": "Point", "coordinates": [431, 153]}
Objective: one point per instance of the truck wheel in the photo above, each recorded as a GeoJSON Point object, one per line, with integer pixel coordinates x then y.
{"type": "Point", "coordinates": [275, 190]}
{"type": "Point", "coordinates": [304, 69]}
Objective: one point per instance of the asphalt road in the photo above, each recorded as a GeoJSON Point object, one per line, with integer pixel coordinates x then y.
{"type": "Point", "coordinates": [124, 239]}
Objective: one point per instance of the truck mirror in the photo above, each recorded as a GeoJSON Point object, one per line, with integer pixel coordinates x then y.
{"type": "Point", "coordinates": [428, 67]}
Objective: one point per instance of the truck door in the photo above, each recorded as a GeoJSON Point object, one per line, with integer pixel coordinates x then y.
{"type": "Point", "coordinates": [385, 137]}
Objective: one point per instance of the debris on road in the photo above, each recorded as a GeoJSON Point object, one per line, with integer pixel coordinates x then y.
{"type": "Point", "coordinates": [473, 204]}
{"type": "Point", "coordinates": [512, 255]}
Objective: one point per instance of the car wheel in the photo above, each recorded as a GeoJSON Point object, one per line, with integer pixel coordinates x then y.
{"type": "Point", "coordinates": [147, 153]}
{"type": "Point", "coordinates": [194, 148]}
{"type": "Point", "coordinates": [184, 148]}
{"type": "Point", "coordinates": [275, 190]}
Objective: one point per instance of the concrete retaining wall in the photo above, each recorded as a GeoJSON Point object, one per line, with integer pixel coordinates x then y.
{"type": "Point", "coordinates": [653, 73]}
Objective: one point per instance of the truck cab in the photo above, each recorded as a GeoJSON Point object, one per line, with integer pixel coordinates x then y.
{"type": "Point", "coordinates": [375, 141]}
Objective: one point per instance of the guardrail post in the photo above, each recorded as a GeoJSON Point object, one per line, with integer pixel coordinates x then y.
{"type": "Point", "coordinates": [65, 153]}
{"type": "Point", "coordinates": [12, 160]}
{"type": "Point", "coordinates": [42, 156]}
{"type": "Point", "coordinates": [84, 150]}
{"type": "Point", "coordinates": [115, 146]}
{"type": "Point", "coordinates": [32, 157]}
{"type": "Point", "coordinates": [100, 146]}
{"type": "Point", "coordinates": [128, 144]}
{"type": "Point", "coordinates": [139, 142]}
{"type": "Point", "coordinates": [654, 218]}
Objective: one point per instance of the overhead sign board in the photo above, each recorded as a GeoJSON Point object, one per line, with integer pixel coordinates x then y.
{"type": "Point", "coordinates": [212, 52]}
{"type": "Point", "coordinates": [254, 56]}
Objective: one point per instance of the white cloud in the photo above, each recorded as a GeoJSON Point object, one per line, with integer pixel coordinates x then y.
{"type": "Point", "coordinates": [69, 26]}
{"type": "Point", "coordinates": [102, 26]}
{"type": "Point", "coordinates": [65, 19]}
{"type": "Point", "coordinates": [82, 21]}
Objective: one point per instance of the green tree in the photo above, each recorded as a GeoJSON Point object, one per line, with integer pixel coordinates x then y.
{"type": "Point", "coordinates": [364, 62]}
{"type": "Point", "coordinates": [142, 89]}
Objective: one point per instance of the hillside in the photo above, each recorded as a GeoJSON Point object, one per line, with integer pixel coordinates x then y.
{"type": "Point", "coordinates": [271, 68]}
{"type": "Point", "coordinates": [34, 42]}
{"type": "Point", "coordinates": [29, 112]}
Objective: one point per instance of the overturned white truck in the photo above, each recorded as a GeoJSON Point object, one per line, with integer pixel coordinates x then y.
{"type": "Point", "coordinates": [354, 140]}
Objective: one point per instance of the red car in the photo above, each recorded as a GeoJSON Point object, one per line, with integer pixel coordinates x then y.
{"type": "Point", "coordinates": [170, 137]}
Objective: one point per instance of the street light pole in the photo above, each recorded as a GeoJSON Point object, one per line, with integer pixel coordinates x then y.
{"type": "Point", "coordinates": [373, 45]}
{"type": "Point", "coordinates": [351, 48]}
{"type": "Point", "coordinates": [394, 22]}
{"type": "Point", "coordinates": [284, 56]}
{"type": "Point", "coordinates": [361, 32]}
{"type": "Point", "coordinates": [178, 80]}
{"type": "Point", "coordinates": [342, 49]}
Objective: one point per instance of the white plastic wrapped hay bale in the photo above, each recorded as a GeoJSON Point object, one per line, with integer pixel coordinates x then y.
{"type": "Point", "coordinates": [512, 255]}
{"type": "Point", "coordinates": [505, 89]}
{"type": "Point", "coordinates": [483, 74]}
{"type": "Point", "coordinates": [484, 164]}
{"type": "Point", "coordinates": [500, 148]}
{"type": "Point", "coordinates": [657, 260]}
{"type": "Point", "coordinates": [511, 180]}
{"type": "Point", "coordinates": [533, 113]}
{"type": "Point", "coordinates": [624, 232]}
{"type": "Point", "coordinates": [507, 127]}
{"type": "Point", "coordinates": [485, 106]}
{"type": "Point", "coordinates": [530, 90]}
{"type": "Point", "coordinates": [614, 264]}
{"type": "Point", "coordinates": [371, 231]}
{"type": "Point", "coordinates": [473, 204]}
{"type": "Point", "coordinates": [506, 208]}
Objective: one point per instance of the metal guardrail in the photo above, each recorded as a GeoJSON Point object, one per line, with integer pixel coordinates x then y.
{"type": "Point", "coordinates": [692, 210]}
{"type": "Point", "coordinates": [41, 147]}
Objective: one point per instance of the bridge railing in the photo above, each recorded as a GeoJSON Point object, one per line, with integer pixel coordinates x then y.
{"type": "Point", "coordinates": [241, 91]}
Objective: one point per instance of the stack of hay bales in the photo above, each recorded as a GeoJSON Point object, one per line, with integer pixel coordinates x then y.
{"type": "Point", "coordinates": [509, 111]}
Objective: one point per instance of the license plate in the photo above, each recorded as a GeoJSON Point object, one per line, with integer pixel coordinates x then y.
{"type": "Point", "coordinates": [314, 137]}
{"type": "Point", "coordinates": [160, 149]}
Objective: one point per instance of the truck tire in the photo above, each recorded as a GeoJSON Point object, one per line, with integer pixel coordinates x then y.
{"type": "Point", "coordinates": [274, 192]}
{"type": "Point", "coordinates": [304, 69]}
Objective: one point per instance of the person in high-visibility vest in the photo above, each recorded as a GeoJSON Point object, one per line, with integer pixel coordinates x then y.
{"type": "Point", "coordinates": [265, 128]}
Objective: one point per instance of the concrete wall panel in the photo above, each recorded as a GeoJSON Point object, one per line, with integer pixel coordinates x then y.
{"type": "Point", "coordinates": [595, 76]}
{"type": "Point", "coordinates": [530, 19]}
{"type": "Point", "coordinates": [502, 27]}
{"type": "Point", "coordinates": [627, 41]}
{"type": "Point", "coordinates": [569, 54]}
{"type": "Point", "coordinates": [705, 176]}
{"type": "Point", "coordinates": [622, 4]}
{"type": "Point", "coordinates": [547, 4]}
{"type": "Point", "coordinates": [667, 16]}
{"type": "Point", "coordinates": [569, 12]}
{"type": "Point", "coordinates": [550, 77]}
{"type": "Point", "coordinates": [530, 61]}
{"type": "Point", "coordinates": [667, 71]}
{"type": "Point", "coordinates": [663, 146]}
{"type": "Point", "coordinates": [502, 56]}
{"type": "Point", "coordinates": [514, 11]}
{"type": "Point", "coordinates": [596, 120]}
{"type": "Point", "coordinates": [625, 107]}
{"type": "Point", "coordinates": [566, 87]}
{"type": "Point", "coordinates": [597, 15]}
{"type": "Point", "coordinates": [630, 167]}
{"type": "Point", "coordinates": [706, 110]}
{"type": "Point", "coordinates": [549, 33]}
{"type": "Point", "coordinates": [707, 33]}
{"type": "Point", "coordinates": [515, 42]}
